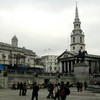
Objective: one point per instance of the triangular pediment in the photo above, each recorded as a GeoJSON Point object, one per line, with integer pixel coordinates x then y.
{"type": "Point", "coordinates": [66, 54]}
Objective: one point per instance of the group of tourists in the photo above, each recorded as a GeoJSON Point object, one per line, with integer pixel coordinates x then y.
{"type": "Point", "coordinates": [58, 91]}
{"type": "Point", "coordinates": [22, 89]}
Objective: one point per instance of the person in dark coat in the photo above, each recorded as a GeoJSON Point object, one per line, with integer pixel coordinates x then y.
{"type": "Point", "coordinates": [85, 85]}
{"type": "Point", "coordinates": [62, 92]}
{"type": "Point", "coordinates": [50, 90]}
{"type": "Point", "coordinates": [20, 88]}
{"type": "Point", "coordinates": [24, 89]}
{"type": "Point", "coordinates": [78, 86]}
{"type": "Point", "coordinates": [35, 91]}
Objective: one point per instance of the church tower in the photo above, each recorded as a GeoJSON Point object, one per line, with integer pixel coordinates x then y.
{"type": "Point", "coordinates": [77, 35]}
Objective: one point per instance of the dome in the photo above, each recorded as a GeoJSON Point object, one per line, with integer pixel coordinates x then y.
{"type": "Point", "coordinates": [14, 38]}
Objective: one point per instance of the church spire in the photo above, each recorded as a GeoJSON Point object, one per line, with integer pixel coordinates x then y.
{"type": "Point", "coordinates": [77, 23]}
{"type": "Point", "coordinates": [76, 13]}
{"type": "Point", "coordinates": [77, 36]}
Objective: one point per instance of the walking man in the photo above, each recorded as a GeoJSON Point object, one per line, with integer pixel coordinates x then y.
{"type": "Point", "coordinates": [35, 91]}
{"type": "Point", "coordinates": [20, 88]}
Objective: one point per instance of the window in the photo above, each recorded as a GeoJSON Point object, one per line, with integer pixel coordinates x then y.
{"type": "Point", "coordinates": [76, 24]}
{"type": "Point", "coordinates": [54, 68]}
{"type": "Point", "coordinates": [9, 56]}
{"type": "Point", "coordinates": [3, 56]}
{"type": "Point", "coordinates": [80, 39]}
{"type": "Point", "coordinates": [73, 48]}
{"type": "Point", "coordinates": [73, 39]}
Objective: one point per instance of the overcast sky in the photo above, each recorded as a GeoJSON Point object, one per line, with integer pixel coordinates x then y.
{"type": "Point", "coordinates": [45, 26]}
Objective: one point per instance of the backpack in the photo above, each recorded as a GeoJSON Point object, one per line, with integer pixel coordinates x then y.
{"type": "Point", "coordinates": [67, 91]}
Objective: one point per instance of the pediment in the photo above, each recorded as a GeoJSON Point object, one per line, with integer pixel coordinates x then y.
{"type": "Point", "coordinates": [66, 55]}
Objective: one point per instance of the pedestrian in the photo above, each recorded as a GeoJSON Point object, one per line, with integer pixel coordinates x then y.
{"type": "Point", "coordinates": [67, 88]}
{"type": "Point", "coordinates": [20, 88]}
{"type": "Point", "coordinates": [64, 91]}
{"type": "Point", "coordinates": [35, 91]}
{"type": "Point", "coordinates": [56, 92]}
{"type": "Point", "coordinates": [81, 86]}
{"type": "Point", "coordinates": [78, 86]}
{"type": "Point", "coordinates": [50, 90]}
{"type": "Point", "coordinates": [24, 89]}
{"type": "Point", "coordinates": [85, 85]}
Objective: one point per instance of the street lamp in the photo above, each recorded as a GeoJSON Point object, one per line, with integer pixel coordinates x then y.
{"type": "Point", "coordinates": [58, 77]}
{"type": "Point", "coordinates": [36, 77]}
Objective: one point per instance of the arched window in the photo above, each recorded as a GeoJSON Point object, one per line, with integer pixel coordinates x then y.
{"type": "Point", "coordinates": [80, 39]}
{"type": "Point", "coordinates": [73, 39]}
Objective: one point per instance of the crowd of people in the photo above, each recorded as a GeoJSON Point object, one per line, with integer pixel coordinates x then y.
{"type": "Point", "coordinates": [80, 85]}
{"type": "Point", "coordinates": [58, 91]}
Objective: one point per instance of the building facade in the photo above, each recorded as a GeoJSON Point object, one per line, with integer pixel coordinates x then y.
{"type": "Point", "coordinates": [11, 54]}
{"type": "Point", "coordinates": [67, 58]}
{"type": "Point", "coordinates": [50, 62]}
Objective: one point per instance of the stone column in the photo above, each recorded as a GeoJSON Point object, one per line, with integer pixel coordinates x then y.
{"type": "Point", "coordinates": [69, 67]}
{"type": "Point", "coordinates": [66, 67]}
{"type": "Point", "coordinates": [62, 67]}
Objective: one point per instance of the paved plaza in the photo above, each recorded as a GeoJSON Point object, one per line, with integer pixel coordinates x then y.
{"type": "Point", "coordinates": [8, 94]}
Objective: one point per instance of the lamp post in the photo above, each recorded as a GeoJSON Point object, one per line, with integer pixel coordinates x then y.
{"type": "Point", "coordinates": [36, 77]}
{"type": "Point", "coordinates": [58, 77]}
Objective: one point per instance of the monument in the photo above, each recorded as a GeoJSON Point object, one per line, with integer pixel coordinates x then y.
{"type": "Point", "coordinates": [81, 69]}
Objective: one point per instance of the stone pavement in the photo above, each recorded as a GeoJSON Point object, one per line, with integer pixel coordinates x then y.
{"type": "Point", "coordinates": [8, 94]}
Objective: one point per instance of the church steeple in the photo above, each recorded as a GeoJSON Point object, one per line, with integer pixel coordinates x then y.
{"type": "Point", "coordinates": [77, 36]}
{"type": "Point", "coordinates": [76, 13]}
{"type": "Point", "coordinates": [77, 23]}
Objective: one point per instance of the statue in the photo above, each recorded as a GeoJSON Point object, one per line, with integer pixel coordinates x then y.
{"type": "Point", "coordinates": [81, 56]}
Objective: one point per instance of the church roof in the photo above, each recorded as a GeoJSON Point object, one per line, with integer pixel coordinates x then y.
{"type": "Point", "coordinates": [65, 54]}
{"type": "Point", "coordinates": [9, 47]}
{"type": "Point", "coordinates": [93, 56]}
{"type": "Point", "coordinates": [68, 55]}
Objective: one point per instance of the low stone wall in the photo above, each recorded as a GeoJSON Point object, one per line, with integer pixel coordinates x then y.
{"type": "Point", "coordinates": [23, 76]}
{"type": "Point", "coordinates": [94, 88]}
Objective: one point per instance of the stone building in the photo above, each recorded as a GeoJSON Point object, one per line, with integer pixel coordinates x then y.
{"type": "Point", "coordinates": [11, 54]}
{"type": "Point", "coordinates": [50, 63]}
{"type": "Point", "coordinates": [67, 58]}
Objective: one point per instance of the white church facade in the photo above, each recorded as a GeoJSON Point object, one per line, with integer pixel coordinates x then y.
{"type": "Point", "coordinates": [67, 58]}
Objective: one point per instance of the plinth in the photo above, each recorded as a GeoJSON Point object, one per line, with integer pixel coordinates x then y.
{"type": "Point", "coordinates": [81, 72]}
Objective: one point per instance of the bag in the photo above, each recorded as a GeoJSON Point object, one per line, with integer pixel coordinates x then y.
{"type": "Point", "coordinates": [62, 92]}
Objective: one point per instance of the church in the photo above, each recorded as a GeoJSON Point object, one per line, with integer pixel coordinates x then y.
{"type": "Point", "coordinates": [67, 59]}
